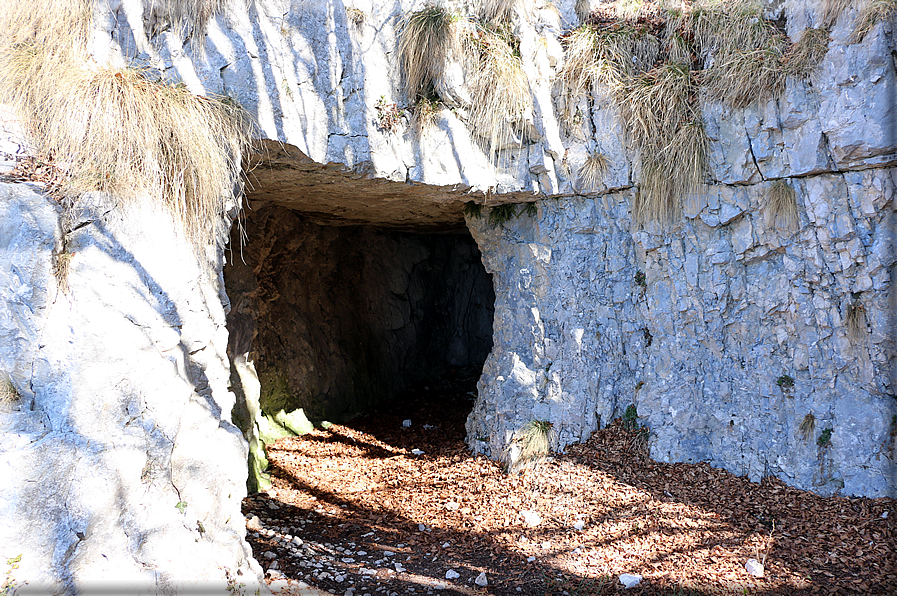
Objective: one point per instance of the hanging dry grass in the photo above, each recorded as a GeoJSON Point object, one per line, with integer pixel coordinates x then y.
{"type": "Point", "coordinates": [496, 11]}
{"type": "Point", "coordinates": [610, 56]}
{"type": "Point", "coordinates": [425, 114]}
{"type": "Point", "coordinates": [426, 41]}
{"type": "Point", "coordinates": [872, 12]}
{"type": "Point", "coordinates": [807, 426]}
{"type": "Point", "coordinates": [499, 88]}
{"type": "Point", "coordinates": [189, 17]}
{"type": "Point", "coordinates": [663, 118]}
{"type": "Point", "coordinates": [830, 10]}
{"type": "Point", "coordinates": [115, 130]}
{"type": "Point", "coordinates": [592, 172]}
{"type": "Point", "coordinates": [8, 392]}
{"type": "Point", "coordinates": [807, 52]}
{"type": "Point", "coordinates": [781, 204]}
{"type": "Point", "coordinates": [856, 321]}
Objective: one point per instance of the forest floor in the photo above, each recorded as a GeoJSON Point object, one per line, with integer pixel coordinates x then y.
{"type": "Point", "coordinates": [355, 511]}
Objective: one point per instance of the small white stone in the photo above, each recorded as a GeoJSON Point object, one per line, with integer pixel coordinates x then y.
{"type": "Point", "coordinates": [452, 574]}
{"type": "Point", "coordinates": [389, 553]}
{"type": "Point", "coordinates": [531, 518]}
{"type": "Point", "coordinates": [417, 452]}
{"type": "Point", "coordinates": [445, 545]}
{"type": "Point", "coordinates": [530, 559]}
{"type": "Point", "coordinates": [406, 423]}
{"type": "Point", "coordinates": [630, 580]}
{"type": "Point", "coordinates": [421, 527]}
{"type": "Point", "coordinates": [347, 560]}
{"type": "Point", "coordinates": [546, 545]}
{"type": "Point", "coordinates": [754, 567]}
{"type": "Point", "coordinates": [361, 553]}
{"type": "Point", "coordinates": [269, 555]}
{"type": "Point", "coordinates": [579, 525]}
{"type": "Point", "coordinates": [452, 506]}
{"type": "Point", "coordinates": [399, 567]}
{"type": "Point", "coordinates": [481, 580]}
{"type": "Point", "coordinates": [884, 515]}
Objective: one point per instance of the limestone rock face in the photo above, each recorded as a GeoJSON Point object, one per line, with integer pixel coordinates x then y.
{"type": "Point", "coordinates": [761, 350]}
{"type": "Point", "coordinates": [120, 467]}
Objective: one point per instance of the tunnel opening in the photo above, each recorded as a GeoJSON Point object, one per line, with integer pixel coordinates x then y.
{"type": "Point", "coordinates": [337, 320]}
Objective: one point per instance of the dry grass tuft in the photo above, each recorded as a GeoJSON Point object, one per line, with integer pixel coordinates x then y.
{"type": "Point", "coordinates": [188, 17]}
{"type": "Point", "coordinates": [781, 205]}
{"type": "Point", "coordinates": [663, 117]}
{"type": "Point", "coordinates": [807, 52]}
{"type": "Point", "coordinates": [856, 321]}
{"type": "Point", "coordinates": [592, 172]}
{"type": "Point", "coordinates": [610, 56]}
{"type": "Point", "coordinates": [500, 91]}
{"type": "Point", "coordinates": [61, 269]}
{"type": "Point", "coordinates": [530, 445]}
{"type": "Point", "coordinates": [425, 114]}
{"type": "Point", "coordinates": [873, 12]}
{"type": "Point", "coordinates": [496, 11]}
{"type": "Point", "coordinates": [116, 130]}
{"type": "Point", "coordinates": [830, 10]}
{"type": "Point", "coordinates": [8, 392]}
{"type": "Point", "coordinates": [807, 426]}
{"type": "Point", "coordinates": [426, 41]}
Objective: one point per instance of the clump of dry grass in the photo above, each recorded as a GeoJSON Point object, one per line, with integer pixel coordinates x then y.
{"type": "Point", "coordinates": [188, 17]}
{"type": "Point", "coordinates": [807, 52]}
{"type": "Point", "coordinates": [856, 321]}
{"type": "Point", "coordinates": [592, 171]}
{"type": "Point", "coordinates": [781, 204]}
{"type": "Point", "coordinates": [425, 114]}
{"type": "Point", "coordinates": [610, 56]}
{"type": "Point", "coordinates": [500, 90]}
{"type": "Point", "coordinates": [872, 12]}
{"type": "Point", "coordinates": [807, 426]}
{"type": "Point", "coordinates": [746, 52]}
{"type": "Point", "coordinates": [117, 130]}
{"type": "Point", "coordinates": [830, 10]}
{"type": "Point", "coordinates": [426, 41]}
{"type": "Point", "coordinates": [61, 268]}
{"type": "Point", "coordinates": [496, 11]}
{"type": "Point", "coordinates": [530, 445]}
{"type": "Point", "coordinates": [663, 117]}
{"type": "Point", "coordinates": [8, 393]}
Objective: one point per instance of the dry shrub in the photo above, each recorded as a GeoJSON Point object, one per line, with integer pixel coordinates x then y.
{"type": "Point", "coordinates": [61, 268]}
{"type": "Point", "coordinates": [117, 130]}
{"type": "Point", "coordinates": [592, 171]}
{"type": "Point", "coordinates": [500, 91]}
{"type": "Point", "coordinates": [872, 12]}
{"type": "Point", "coordinates": [426, 41]}
{"type": "Point", "coordinates": [781, 204]}
{"type": "Point", "coordinates": [530, 445]}
{"type": "Point", "coordinates": [807, 52]}
{"type": "Point", "coordinates": [425, 114]}
{"type": "Point", "coordinates": [663, 117]}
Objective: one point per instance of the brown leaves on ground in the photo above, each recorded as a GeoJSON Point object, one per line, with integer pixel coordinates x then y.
{"type": "Point", "coordinates": [688, 529]}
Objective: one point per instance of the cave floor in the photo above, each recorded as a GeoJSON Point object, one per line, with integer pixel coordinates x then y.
{"type": "Point", "coordinates": [375, 518]}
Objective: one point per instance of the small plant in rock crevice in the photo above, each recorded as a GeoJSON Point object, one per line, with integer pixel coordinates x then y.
{"type": "Point", "coordinates": [630, 417]}
{"type": "Point", "coordinates": [872, 12]}
{"type": "Point", "coordinates": [389, 115]}
{"type": "Point", "coordinates": [10, 586]}
{"type": "Point", "coordinates": [640, 279]}
{"type": "Point", "coordinates": [785, 382]}
{"type": "Point", "coordinates": [825, 438]}
{"type": "Point", "coordinates": [472, 210]}
{"type": "Point", "coordinates": [592, 171]}
{"type": "Point", "coordinates": [501, 214]}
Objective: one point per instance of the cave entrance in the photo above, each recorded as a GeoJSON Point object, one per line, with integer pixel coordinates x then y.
{"type": "Point", "coordinates": [339, 319]}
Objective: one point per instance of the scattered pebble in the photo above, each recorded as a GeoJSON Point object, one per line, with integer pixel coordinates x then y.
{"type": "Point", "coordinates": [452, 574]}
{"type": "Point", "coordinates": [481, 580]}
{"type": "Point", "coordinates": [452, 506]}
{"type": "Point", "coordinates": [269, 555]}
{"type": "Point", "coordinates": [630, 580]}
{"type": "Point", "coordinates": [406, 423]}
{"type": "Point", "coordinates": [531, 518]}
{"type": "Point", "coordinates": [399, 567]}
{"type": "Point", "coordinates": [579, 525]}
{"type": "Point", "coordinates": [254, 523]}
{"type": "Point", "coordinates": [754, 567]}
{"type": "Point", "coordinates": [417, 452]}
{"type": "Point", "coordinates": [530, 559]}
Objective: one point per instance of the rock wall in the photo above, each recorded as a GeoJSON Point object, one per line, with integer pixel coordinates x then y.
{"type": "Point", "coordinates": [121, 470]}
{"type": "Point", "coordinates": [337, 319]}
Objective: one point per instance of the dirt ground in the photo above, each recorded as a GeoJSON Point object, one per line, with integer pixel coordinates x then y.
{"type": "Point", "coordinates": [375, 518]}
